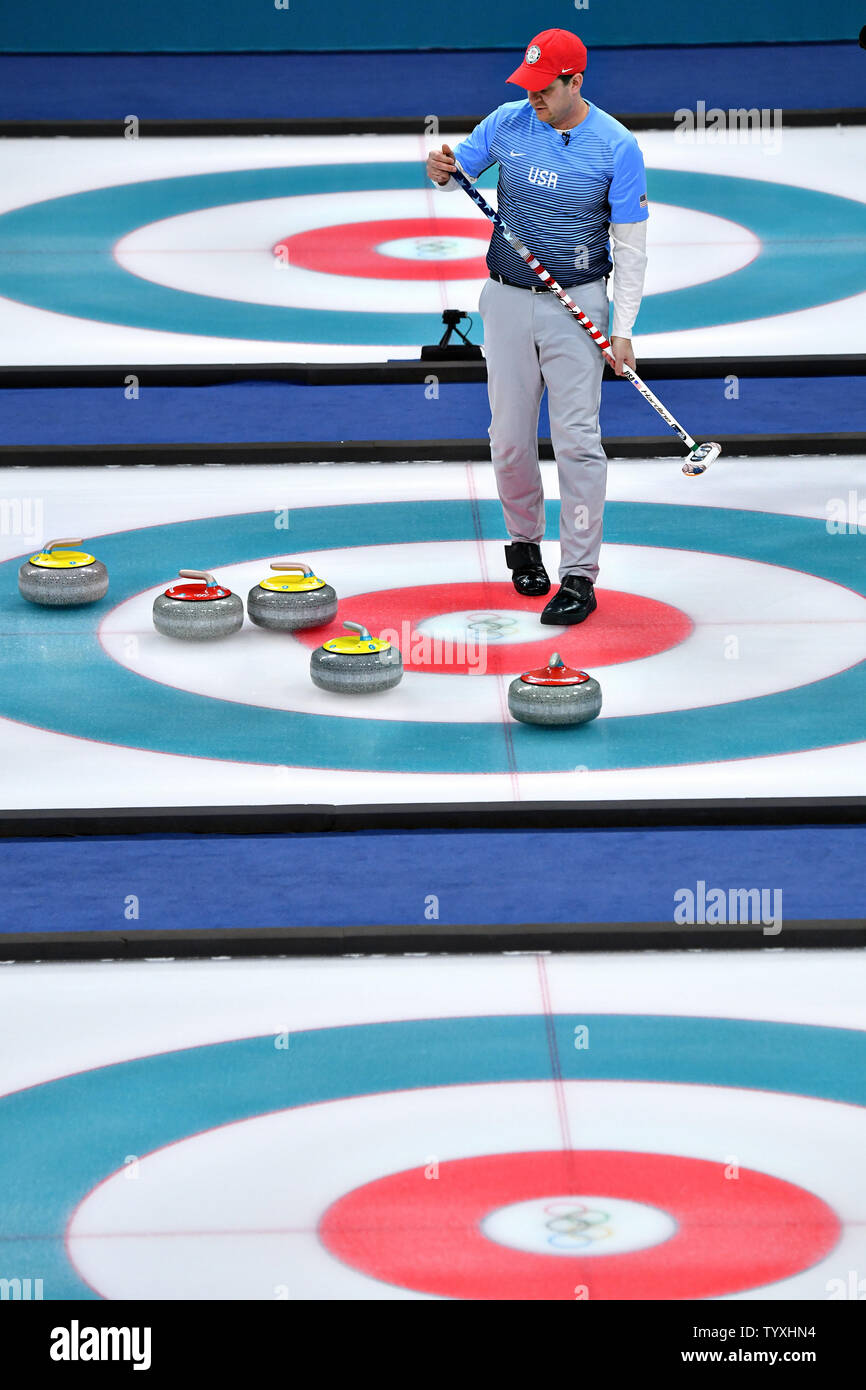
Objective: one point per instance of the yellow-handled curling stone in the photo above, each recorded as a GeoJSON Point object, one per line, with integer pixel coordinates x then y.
{"type": "Point", "coordinates": [62, 578]}
{"type": "Point", "coordinates": [357, 664]}
{"type": "Point", "coordinates": [292, 599]}
{"type": "Point", "coordinates": [199, 611]}
{"type": "Point", "coordinates": [554, 694]}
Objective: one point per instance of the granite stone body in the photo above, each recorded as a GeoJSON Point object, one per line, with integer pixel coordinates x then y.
{"type": "Point", "coordinates": [356, 673]}
{"type": "Point", "coordinates": [290, 612]}
{"type": "Point", "coordinates": [63, 588]}
{"type": "Point", "coordinates": [198, 620]}
{"type": "Point", "coordinates": [554, 704]}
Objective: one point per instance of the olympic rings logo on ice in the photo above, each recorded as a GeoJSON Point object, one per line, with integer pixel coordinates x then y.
{"type": "Point", "coordinates": [575, 1226]}
{"type": "Point", "coordinates": [491, 624]}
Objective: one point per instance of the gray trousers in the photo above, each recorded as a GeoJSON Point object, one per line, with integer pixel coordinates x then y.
{"type": "Point", "coordinates": [531, 341]}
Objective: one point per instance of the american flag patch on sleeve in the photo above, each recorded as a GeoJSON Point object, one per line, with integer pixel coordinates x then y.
{"type": "Point", "coordinates": [642, 200]}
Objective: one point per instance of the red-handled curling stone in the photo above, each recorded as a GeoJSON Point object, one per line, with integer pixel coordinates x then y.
{"type": "Point", "coordinates": [554, 694]}
{"type": "Point", "coordinates": [199, 611]}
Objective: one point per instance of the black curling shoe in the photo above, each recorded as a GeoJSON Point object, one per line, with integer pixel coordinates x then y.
{"type": "Point", "coordinates": [574, 602]}
{"type": "Point", "coordinates": [528, 574]}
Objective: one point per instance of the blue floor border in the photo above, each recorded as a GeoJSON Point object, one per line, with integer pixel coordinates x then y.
{"type": "Point", "coordinates": [276, 412]}
{"type": "Point", "coordinates": [433, 882]}
{"type": "Point", "coordinates": [407, 85]}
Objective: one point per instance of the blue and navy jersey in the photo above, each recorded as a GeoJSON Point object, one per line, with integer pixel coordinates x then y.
{"type": "Point", "coordinates": [559, 198]}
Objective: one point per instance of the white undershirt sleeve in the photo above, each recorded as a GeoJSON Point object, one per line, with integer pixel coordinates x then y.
{"type": "Point", "coordinates": [628, 248]}
{"type": "Point", "coordinates": [450, 186]}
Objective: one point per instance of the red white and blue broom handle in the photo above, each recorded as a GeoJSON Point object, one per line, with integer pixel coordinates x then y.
{"type": "Point", "coordinates": [597, 336]}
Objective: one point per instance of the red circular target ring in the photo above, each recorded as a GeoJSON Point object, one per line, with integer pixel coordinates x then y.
{"type": "Point", "coordinates": [625, 627]}
{"type": "Point", "coordinates": [352, 248]}
{"type": "Point", "coordinates": [733, 1233]}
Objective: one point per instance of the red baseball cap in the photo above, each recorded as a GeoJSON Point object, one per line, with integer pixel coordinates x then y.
{"type": "Point", "coordinates": [551, 54]}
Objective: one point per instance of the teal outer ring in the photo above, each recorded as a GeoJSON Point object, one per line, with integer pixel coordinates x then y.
{"type": "Point", "coordinates": [99, 699]}
{"type": "Point", "coordinates": [63, 1137]}
{"type": "Point", "coordinates": [57, 254]}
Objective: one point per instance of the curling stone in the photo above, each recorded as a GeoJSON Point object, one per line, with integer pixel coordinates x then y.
{"type": "Point", "coordinates": [61, 578]}
{"type": "Point", "coordinates": [356, 665]}
{"type": "Point", "coordinates": [288, 602]}
{"type": "Point", "coordinates": [199, 611]}
{"type": "Point", "coordinates": [554, 694]}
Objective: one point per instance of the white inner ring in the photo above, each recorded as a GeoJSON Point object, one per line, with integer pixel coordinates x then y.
{"type": "Point", "coordinates": [433, 248]}
{"type": "Point", "coordinates": [234, 1212]}
{"type": "Point", "coordinates": [758, 629]}
{"type": "Point", "coordinates": [584, 1225]}
{"type": "Point", "coordinates": [493, 626]}
{"type": "Point", "coordinates": [226, 252]}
